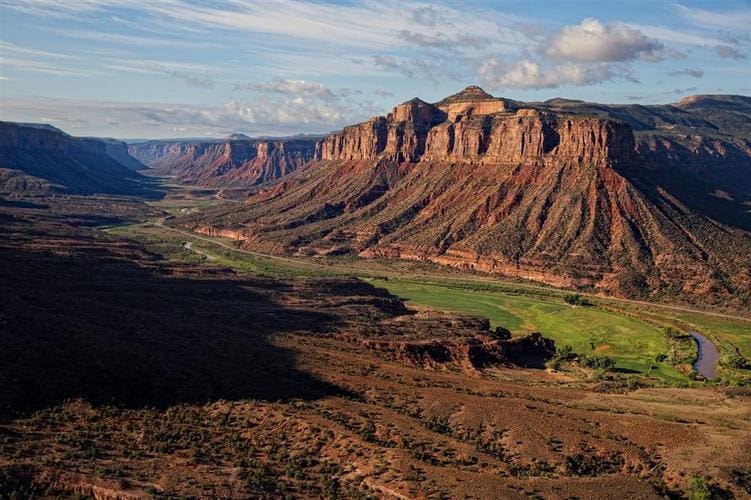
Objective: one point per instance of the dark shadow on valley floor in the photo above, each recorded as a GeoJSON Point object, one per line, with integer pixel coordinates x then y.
{"type": "Point", "coordinates": [114, 331]}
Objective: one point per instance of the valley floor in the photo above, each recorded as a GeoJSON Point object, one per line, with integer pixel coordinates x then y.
{"type": "Point", "coordinates": [631, 332]}
{"type": "Point", "coordinates": [136, 365]}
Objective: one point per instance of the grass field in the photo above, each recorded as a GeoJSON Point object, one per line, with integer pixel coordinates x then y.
{"type": "Point", "coordinates": [633, 344]}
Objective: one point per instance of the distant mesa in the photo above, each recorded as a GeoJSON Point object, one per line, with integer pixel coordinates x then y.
{"type": "Point", "coordinates": [716, 101]}
{"type": "Point", "coordinates": [473, 93]}
{"type": "Point", "coordinates": [39, 158]}
{"type": "Point", "coordinates": [238, 137]}
{"type": "Point", "coordinates": [41, 126]}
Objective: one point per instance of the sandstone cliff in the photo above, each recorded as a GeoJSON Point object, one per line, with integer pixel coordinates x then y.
{"type": "Point", "coordinates": [487, 131]}
{"type": "Point", "coordinates": [236, 161]}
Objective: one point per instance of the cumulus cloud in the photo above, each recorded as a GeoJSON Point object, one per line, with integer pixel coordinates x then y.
{"type": "Point", "coordinates": [728, 52]}
{"type": "Point", "coordinates": [526, 74]}
{"type": "Point", "coordinates": [587, 53]}
{"type": "Point", "coordinates": [695, 72]}
{"type": "Point", "coordinates": [593, 41]}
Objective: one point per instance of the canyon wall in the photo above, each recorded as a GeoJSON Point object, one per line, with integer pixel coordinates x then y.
{"type": "Point", "coordinates": [39, 158]}
{"type": "Point", "coordinates": [484, 132]}
{"type": "Point", "coordinates": [239, 163]}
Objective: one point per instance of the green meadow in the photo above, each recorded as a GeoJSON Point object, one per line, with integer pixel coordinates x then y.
{"type": "Point", "coordinates": [633, 344]}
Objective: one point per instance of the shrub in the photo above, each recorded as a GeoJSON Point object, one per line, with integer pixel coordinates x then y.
{"type": "Point", "coordinates": [565, 353]}
{"type": "Point", "coordinates": [594, 465]}
{"type": "Point", "coordinates": [576, 300]}
{"type": "Point", "coordinates": [742, 478]}
{"type": "Point", "coordinates": [672, 333]}
{"type": "Point", "coordinates": [553, 364]}
{"type": "Point", "coordinates": [600, 362]}
{"type": "Point", "coordinates": [501, 333]}
{"type": "Point", "coordinates": [733, 360]}
{"type": "Point", "coordinates": [698, 489]}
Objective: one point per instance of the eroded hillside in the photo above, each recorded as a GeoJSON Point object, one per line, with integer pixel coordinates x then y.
{"type": "Point", "coordinates": [554, 192]}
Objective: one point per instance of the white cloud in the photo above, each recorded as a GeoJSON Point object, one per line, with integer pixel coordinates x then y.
{"type": "Point", "coordinates": [195, 75]}
{"type": "Point", "coordinates": [367, 24]}
{"type": "Point", "coordinates": [23, 64]}
{"type": "Point", "coordinates": [433, 69]}
{"type": "Point", "coordinates": [7, 48]}
{"type": "Point", "coordinates": [291, 87]}
{"type": "Point", "coordinates": [670, 35]}
{"type": "Point", "coordinates": [593, 41]}
{"type": "Point", "coordinates": [264, 116]}
{"type": "Point", "coordinates": [526, 74]}
{"type": "Point", "coordinates": [739, 19]}
{"type": "Point", "coordinates": [138, 40]}
{"type": "Point", "coordinates": [38, 61]}
{"type": "Point", "coordinates": [695, 72]}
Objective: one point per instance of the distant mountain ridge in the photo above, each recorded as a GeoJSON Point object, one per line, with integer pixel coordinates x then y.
{"type": "Point", "coordinates": [235, 161]}
{"type": "Point", "coordinates": [39, 158]}
{"type": "Point", "coordinates": [643, 201]}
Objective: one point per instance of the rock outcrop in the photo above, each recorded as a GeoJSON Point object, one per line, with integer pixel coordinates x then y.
{"type": "Point", "coordinates": [236, 161]}
{"type": "Point", "coordinates": [487, 130]}
{"type": "Point", "coordinates": [37, 158]}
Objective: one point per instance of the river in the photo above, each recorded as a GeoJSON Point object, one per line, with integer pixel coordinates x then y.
{"type": "Point", "coordinates": [707, 357]}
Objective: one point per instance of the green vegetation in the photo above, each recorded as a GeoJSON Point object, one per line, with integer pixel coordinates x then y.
{"type": "Point", "coordinates": [565, 353]}
{"type": "Point", "coordinates": [600, 362]}
{"type": "Point", "coordinates": [172, 246]}
{"type": "Point", "coordinates": [698, 489]}
{"type": "Point", "coordinates": [731, 336]}
{"type": "Point", "coordinates": [576, 299]}
{"type": "Point", "coordinates": [631, 344]}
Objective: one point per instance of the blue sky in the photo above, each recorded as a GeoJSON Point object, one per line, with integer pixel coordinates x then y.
{"type": "Point", "coordinates": [187, 68]}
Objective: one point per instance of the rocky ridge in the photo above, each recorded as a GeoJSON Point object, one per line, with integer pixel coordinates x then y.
{"type": "Point", "coordinates": [236, 161]}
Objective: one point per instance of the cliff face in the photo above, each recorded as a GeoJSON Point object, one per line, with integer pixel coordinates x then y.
{"type": "Point", "coordinates": [118, 150]}
{"type": "Point", "coordinates": [236, 161]}
{"type": "Point", "coordinates": [485, 131]}
{"type": "Point", "coordinates": [38, 158]}
{"type": "Point", "coordinates": [559, 192]}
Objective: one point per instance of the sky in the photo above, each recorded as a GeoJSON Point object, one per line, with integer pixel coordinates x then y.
{"type": "Point", "coordinates": [187, 68]}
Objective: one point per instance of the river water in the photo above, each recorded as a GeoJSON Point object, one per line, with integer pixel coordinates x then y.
{"type": "Point", "coordinates": [706, 360]}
